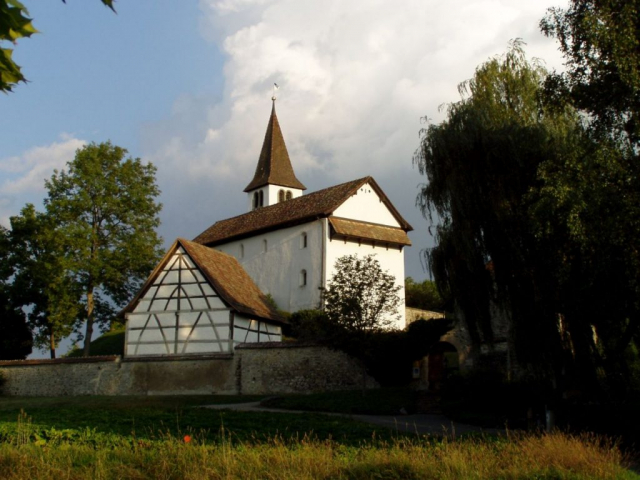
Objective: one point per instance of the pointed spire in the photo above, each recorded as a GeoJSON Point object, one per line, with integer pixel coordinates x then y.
{"type": "Point", "coordinates": [274, 166]}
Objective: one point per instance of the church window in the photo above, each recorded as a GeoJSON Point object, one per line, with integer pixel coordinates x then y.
{"type": "Point", "coordinates": [280, 196]}
{"type": "Point", "coordinates": [289, 195]}
{"type": "Point", "coordinates": [261, 198]}
{"type": "Point", "coordinates": [241, 250]}
{"type": "Point", "coordinates": [303, 240]}
{"type": "Point", "coordinates": [303, 278]}
{"type": "Point", "coordinates": [264, 245]}
{"type": "Point", "coordinates": [256, 200]}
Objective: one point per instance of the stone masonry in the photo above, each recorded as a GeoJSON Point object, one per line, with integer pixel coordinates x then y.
{"type": "Point", "coordinates": [270, 368]}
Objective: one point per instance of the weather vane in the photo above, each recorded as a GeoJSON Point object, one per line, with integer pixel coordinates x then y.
{"type": "Point", "coordinates": [275, 87]}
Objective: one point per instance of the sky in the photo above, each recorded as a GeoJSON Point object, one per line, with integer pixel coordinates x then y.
{"type": "Point", "coordinates": [187, 86]}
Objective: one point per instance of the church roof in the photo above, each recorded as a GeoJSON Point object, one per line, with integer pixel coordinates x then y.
{"type": "Point", "coordinates": [299, 210]}
{"type": "Point", "coordinates": [368, 231]}
{"type": "Point", "coordinates": [227, 277]}
{"type": "Point", "coordinates": [274, 166]}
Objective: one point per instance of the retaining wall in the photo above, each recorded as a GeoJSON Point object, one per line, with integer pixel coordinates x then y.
{"type": "Point", "coordinates": [270, 368]}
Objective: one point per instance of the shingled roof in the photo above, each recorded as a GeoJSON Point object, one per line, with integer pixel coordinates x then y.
{"type": "Point", "coordinates": [299, 210]}
{"type": "Point", "coordinates": [348, 228]}
{"type": "Point", "coordinates": [227, 277]}
{"type": "Point", "coordinates": [274, 166]}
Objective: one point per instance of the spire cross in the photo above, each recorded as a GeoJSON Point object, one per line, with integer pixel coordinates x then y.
{"type": "Point", "coordinates": [275, 87]}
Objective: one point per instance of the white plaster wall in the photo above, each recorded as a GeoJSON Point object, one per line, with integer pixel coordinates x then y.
{"type": "Point", "coordinates": [276, 271]}
{"type": "Point", "coordinates": [271, 194]}
{"type": "Point", "coordinates": [366, 206]}
{"type": "Point", "coordinates": [391, 260]}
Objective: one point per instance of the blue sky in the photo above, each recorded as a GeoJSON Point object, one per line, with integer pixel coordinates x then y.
{"type": "Point", "coordinates": [186, 85]}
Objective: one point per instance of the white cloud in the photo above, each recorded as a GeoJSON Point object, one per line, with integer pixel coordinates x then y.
{"type": "Point", "coordinates": [24, 175]}
{"type": "Point", "coordinates": [355, 78]}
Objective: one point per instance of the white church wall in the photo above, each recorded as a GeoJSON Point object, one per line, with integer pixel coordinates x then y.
{"type": "Point", "coordinates": [391, 260]}
{"type": "Point", "coordinates": [277, 268]}
{"type": "Point", "coordinates": [366, 206]}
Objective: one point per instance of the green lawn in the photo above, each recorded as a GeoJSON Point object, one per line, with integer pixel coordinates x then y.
{"type": "Point", "coordinates": [171, 438]}
{"type": "Point", "coordinates": [156, 417]}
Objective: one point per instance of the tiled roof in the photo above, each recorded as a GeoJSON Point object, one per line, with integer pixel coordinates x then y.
{"type": "Point", "coordinates": [274, 166]}
{"type": "Point", "coordinates": [292, 212]}
{"type": "Point", "coordinates": [369, 231]}
{"type": "Point", "coordinates": [227, 277]}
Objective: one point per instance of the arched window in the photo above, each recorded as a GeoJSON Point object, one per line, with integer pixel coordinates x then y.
{"type": "Point", "coordinates": [289, 195]}
{"type": "Point", "coordinates": [303, 278]}
{"type": "Point", "coordinates": [264, 245]}
{"type": "Point", "coordinates": [280, 196]}
{"type": "Point", "coordinates": [241, 250]}
{"type": "Point", "coordinates": [256, 200]}
{"type": "Point", "coordinates": [303, 240]}
{"type": "Point", "coordinates": [261, 198]}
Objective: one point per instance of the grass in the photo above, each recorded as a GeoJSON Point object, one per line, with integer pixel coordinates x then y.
{"type": "Point", "coordinates": [383, 401]}
{"type": "Point", "coordinates": [166, 437]}
{"type": "Point", "coordinates": [109, 343]}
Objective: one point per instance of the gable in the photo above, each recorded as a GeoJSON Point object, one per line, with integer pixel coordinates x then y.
{"type": "Point", "coordinates": [366, 205]}
{"type": "Point", "coordinates": [178, 312]}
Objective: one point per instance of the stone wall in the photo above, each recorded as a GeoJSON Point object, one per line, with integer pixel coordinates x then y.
{"type": "Point", "coordinates": [296, 368]}
{"type": "Point", "coordinates": [254, 369]}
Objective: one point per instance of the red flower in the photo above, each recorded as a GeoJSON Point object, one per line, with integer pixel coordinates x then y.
{"type": "Point", "coordinates": [187, 438]}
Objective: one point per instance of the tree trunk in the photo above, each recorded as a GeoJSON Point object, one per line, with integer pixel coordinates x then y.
{"type": "Point", "coordinates": [52, 343]}
{"type": "Point", "coordinates": [89, 330]}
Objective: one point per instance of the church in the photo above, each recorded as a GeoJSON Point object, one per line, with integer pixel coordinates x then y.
{"type": "Point", "coordinates": [212, 293]}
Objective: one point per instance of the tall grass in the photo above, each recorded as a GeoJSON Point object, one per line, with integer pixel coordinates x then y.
{"type": "Point", "coordinates": [553, 456]}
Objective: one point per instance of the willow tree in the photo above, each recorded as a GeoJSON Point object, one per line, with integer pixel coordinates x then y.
{"type": "Point", "coordinates": [600, 42]}
{"type": "Point", "coordinates": [483, 193]}
{"type": "Point", "coordinates": [104, 209]}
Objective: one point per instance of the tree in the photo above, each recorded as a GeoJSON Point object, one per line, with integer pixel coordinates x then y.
{"type": "Point", "coordinates": [105, 214]}
{"type": "Point", "coordinates": [15, 24]}
{"type": "Point", "coordinates": [599, 40]}
{"type": "Point", "coordinates": [600, 192]}
{"type": "Point", "coordinates": [40, 284]}
{"type": "Point", "coordinates": [361, 297]}
{"type": "Point", "coordinates": [499, 247]}
{"type": "Point", "coordinates": [15, 336]}
{"type": "Point", "coordinates": [423, 295]}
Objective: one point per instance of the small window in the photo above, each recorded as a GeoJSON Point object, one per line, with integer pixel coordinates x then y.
{"type": "Point", "coordinates": [280, 196]}
{"type": "Point", "coordinates": [289, 195]}
{"type": "Point", "coordinates": [303, 240]}
{"type": "Point", "coordinates": [264, 245]}
{"type": "Point", "coordinates": [256, 200]}
{"type": "Point", "coordinates": [241, 250]}
{"type": "Point", "coordinates": [303, 278]}
{"type": "Point", "coordinates": [261, 198]}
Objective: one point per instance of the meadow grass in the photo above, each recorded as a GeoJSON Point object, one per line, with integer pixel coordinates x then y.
{"type": "Point", "coordinates": [139, 438]}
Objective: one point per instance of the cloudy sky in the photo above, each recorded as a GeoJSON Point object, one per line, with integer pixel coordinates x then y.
{"type": "Point", "coordinates": [187, 85]}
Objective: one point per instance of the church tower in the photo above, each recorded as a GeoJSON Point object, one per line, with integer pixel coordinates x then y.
{"type": "Point", "coordinates": [274, 180]}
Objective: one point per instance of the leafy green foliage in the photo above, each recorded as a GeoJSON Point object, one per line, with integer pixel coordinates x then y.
{"type": "Point", "coordinates": [599, 193]}
{"type": "Point", "coordinates": [15, 335]}
{"type": "Point", "coordinates": [104, 210]}
{"type": "Point", "coordinates": [15, 24]}
{"type": "Point", "coordinates": [361, 297]}
{"type": "Point", "coordinates": [40, 284]}
{"type": "Point", "coordinates": [423, 295]}
{"type": "Point", "coordinates": [498, 246]}
{"type": "Point", "coordinates": [599, 41]}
